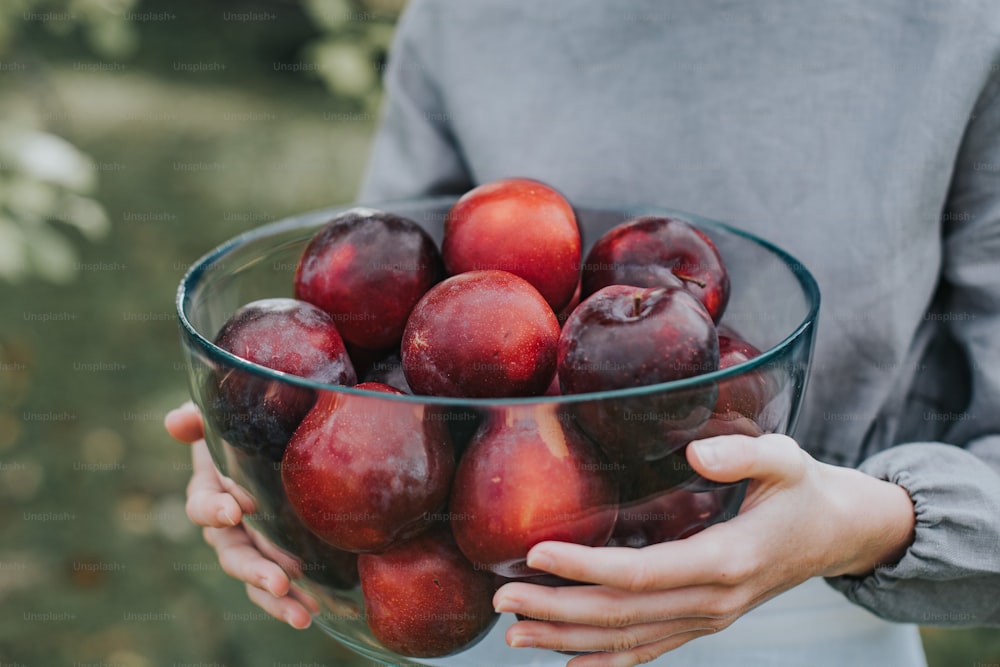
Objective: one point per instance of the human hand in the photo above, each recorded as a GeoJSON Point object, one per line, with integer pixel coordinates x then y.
{"type": "Point", "coordinates": [217, 504]}
{"type": "Point", "coordinates": [800, 519]}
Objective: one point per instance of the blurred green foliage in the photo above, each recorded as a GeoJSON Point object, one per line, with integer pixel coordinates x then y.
{"type": "Point", "coordinates": [207, 125]}
{"type": "Point", "coordinates": [44, 179]}
{"type": "Point", "coordinates": [356, 35]}
{"type": "Point", "coordinates": [100, 21]}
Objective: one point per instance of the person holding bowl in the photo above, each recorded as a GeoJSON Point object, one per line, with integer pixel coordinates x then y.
{"type": "Point", "coordinates": [865, 139]}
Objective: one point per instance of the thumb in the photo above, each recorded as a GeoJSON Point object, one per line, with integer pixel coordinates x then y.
{"type": "Point", "coordinates": [731, 458]}
{"type": "Point", "coordinates": [184, 423]}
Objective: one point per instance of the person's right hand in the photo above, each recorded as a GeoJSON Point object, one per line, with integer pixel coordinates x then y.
{"type": "Point", "coordinates": [217, 504]}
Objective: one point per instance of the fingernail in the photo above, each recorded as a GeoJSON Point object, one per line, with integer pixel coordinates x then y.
{"type": "Point", "coordinates": [289, 616]}
{"type": "Point", "coordinates": [506, 605]}
{"type": "Point", "coordinates": [268, 586]}
{"type": "Point", "coordinates": [224, 517]}
{"type": "Point", "coordinates": [521, 641]}
{"type": "Point", "coordinates": [708, 455]}
{"type": "Point", "coordinates": [171, 414]}
{"type": "Point", "coordinates": [540, 561]}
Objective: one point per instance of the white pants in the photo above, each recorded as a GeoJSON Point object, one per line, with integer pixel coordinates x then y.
{"type": "Point", "coordinates": [809, 626]}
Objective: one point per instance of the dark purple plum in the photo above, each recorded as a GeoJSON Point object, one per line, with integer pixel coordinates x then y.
{"type": "Point", "coordinates": [526, 478]}
{"type": "Point", "coordinates": [367, 269]}
{"type": "Point", "coordinates": [481, 334]}
{"type": "Point", "coordinates": [424, 599]}
{"type": "Point", "coordinates": [748, 393]}
{"type": "Point", "coordinates": [259, 415]}
{"type": "Point", "coordinates": [364, 473]}
{"type": "Point", "coordinates": [624, 337]}
{"type": "Point", "coordinates": [655, 251]}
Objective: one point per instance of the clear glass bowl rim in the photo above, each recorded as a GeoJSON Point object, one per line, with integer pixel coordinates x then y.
{"type": "Point", "coordinates": [194, 274]}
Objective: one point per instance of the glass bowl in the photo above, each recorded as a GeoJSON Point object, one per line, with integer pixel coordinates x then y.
{"type": "Point", "coordinates": [773, 304]}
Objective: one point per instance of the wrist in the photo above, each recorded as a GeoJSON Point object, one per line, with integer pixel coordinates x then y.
{"type": "Point", "coordinates": [877, 522]}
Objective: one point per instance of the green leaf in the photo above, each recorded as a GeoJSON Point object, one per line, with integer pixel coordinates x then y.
{"type": "Point", "coordinates": [46, 157]}
{"type": "Point", "coordinates": [30, 200]}
{"type": "Point", "coordinates": [117, 7]}
{"type": "Point", "coordinates": [330, 15]}
{"type": "Point", "coordinates": [345, 66]}
{"type": "Point", "coordinates": [388, 9]}
{"type": "Point", "coordinates": [85, 214]}
{"type": "Point", "coordinates": [13, 252]}
{"type": "Point", "coordinates": [112, 37]}
{"type": "Point", "coordinates": [379, 35]}
{"type": "Point", "coordinates": [52, 256]}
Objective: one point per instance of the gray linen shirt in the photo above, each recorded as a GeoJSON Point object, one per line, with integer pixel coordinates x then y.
{"type": "Point", "coordinates": [863, 137]}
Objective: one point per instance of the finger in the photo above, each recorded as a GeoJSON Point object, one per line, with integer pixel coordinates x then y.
{"type": "Point", "coordinates": [184, 423]}
{"type": "Point", "coordinates": [640, 654]}
{"type": "Point", "coordinates": [239, 494]}
{"type": "Point", "coordinates": [306, 599]}
{"type": "Point", "coordinates": [705, 558]}
{"type": "Point", "coordinates": [208, 504]}
{"type": "Point", "coordinates": [285, 609]}
{"type": "Point", "coordinates": [614, 608]}
{"type": "Point", "coordinates": [730, 458]}
{"type": "Point", "coordinates": [240, 559]}
{"type": "Point", "coordinates": [570, 637]}
{"type": "Point", "coordinates": [286, 561]}
{"type": "Point", "coordinates": [206, 475]}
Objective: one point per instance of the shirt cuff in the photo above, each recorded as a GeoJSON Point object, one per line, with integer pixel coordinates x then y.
{"type": "Point", "coordinates": [950, 575]}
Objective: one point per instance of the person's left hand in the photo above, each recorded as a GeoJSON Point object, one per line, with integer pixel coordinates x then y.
{"type": "Point", "coordinates": [800, 519]}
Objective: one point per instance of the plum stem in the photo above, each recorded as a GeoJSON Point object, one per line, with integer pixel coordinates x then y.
{"type": "Point", "coordinates": [690, 279]}
{"type": "Point", "coordinates": [636, 304]}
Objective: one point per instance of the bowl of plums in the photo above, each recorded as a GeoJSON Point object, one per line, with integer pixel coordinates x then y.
{"type": "Point", "coordinates": [415, 393]}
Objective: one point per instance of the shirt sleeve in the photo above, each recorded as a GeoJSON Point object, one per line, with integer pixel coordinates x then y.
{"type": "Point", "coordinates": [950, 575]}
{"type": "Point", "coordinates": [414, 153]}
